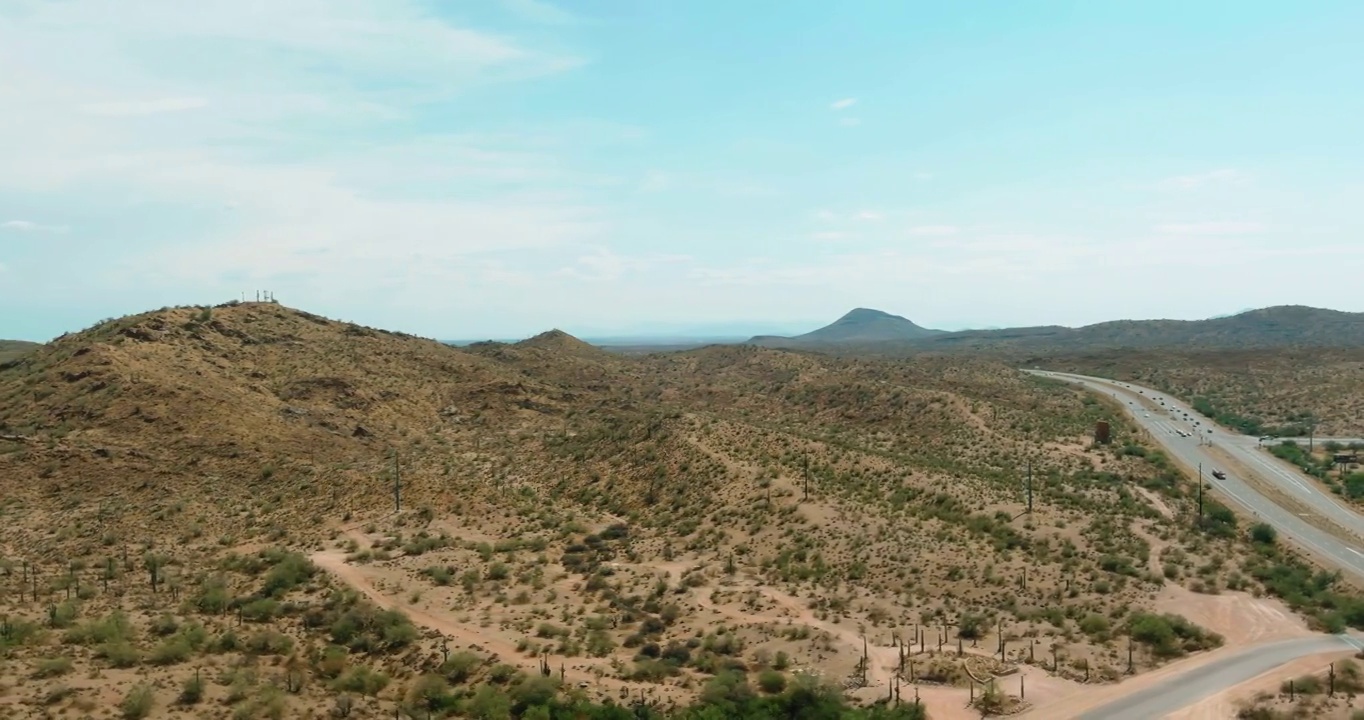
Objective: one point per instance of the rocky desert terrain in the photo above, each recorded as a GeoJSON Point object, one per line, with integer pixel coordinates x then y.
{"type": "Point", "coordinates": [252, 511]}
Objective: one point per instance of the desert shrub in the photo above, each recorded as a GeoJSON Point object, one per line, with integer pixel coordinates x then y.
{"type": "Point", "coordinates": [771, 682]}
{"type": "Point", "coordinates": [362, 679]}
{"type": "Point", "coordinates": [1170, 635]}
{"type": "Point", "coordinates": [460, 667]}
{"type": "Point", "coordinates": [113, 627]}
{"type": "Point", "coordinates": [52, 667]}
{"type": "Point", "coordinates": [138, 703]}
{"type": "Point", "coordinates": [192, 690]}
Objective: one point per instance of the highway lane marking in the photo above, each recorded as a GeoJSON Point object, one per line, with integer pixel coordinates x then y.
{"type": "Point", "coordinates": [1276, 468]}
{"type": "Point", "coordinates": [1351, 640]}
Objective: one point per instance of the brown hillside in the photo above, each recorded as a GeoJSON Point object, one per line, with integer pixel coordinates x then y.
{"type": "Point", "coordinates": [643, 522]}
{"type": "Point", "coordinates": [558, 341]}
{"type": "Point", "coordinates": [11, 350]}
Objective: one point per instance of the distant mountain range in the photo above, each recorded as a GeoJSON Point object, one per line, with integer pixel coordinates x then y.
{"type": "Point", "coordinates": [876, 331]}
{"type": "Point", "coordinates": [1280, 326]}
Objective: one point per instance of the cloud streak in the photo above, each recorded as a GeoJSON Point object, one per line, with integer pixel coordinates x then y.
{"type": "Point", "coordinates": [933, 230]}
{"type": "Point", "coordinates": [1211, 228]}
{"type": "Point", "coordinates": [130, 108]}
{"type": "Point", "coordinates": [28, 226]}
{"type": "Point", "coordinates": [112, 104]}
{"type": "Point", "coordinates": [843, 104]}
{"type": "Point", "coordinates": [1201, 180]}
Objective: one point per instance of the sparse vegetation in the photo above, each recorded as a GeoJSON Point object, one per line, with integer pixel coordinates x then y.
{"type": "Point", "coordinates": [717, 526]}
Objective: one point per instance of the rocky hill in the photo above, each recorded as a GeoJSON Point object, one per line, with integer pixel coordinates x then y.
{"type": "Point", "coordinates": [858, 326]}
{"type": "Point", "coordinates": [14, 349]}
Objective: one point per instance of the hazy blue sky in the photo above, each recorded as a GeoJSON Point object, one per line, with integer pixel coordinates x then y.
{"type": "Point", "coordinates": [468, 169]}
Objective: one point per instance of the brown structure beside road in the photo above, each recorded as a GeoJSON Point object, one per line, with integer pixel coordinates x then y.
{"type": "Point", "coordinates": [1102, 434]}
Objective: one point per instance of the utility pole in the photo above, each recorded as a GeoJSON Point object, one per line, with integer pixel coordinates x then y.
{"type": "Point", "coordinates": [805, 495]}
{"type": "Point", "coordinates": [397, 483]}
{"type": "Point", "coordinates": [1029, 487]}
{"type": "Point", "coordinates": [1200, 493]}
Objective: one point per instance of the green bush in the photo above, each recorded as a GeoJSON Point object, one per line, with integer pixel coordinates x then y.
{"type": "Point", "coordinates": [52, 667]}
{"type": "Point", "coordinates": [192, 691]}
{"type": "Point", "coordinates": [137, 704]}
{"type": "Point", "coordinates": [771, 682]}
{"type": "Point", "coordinates": [1263, 533]}
{"type": "Point", "coordinates": [110, 628]}
{"type": "Point", "coordinates": [1170, 635]}
{"type": "Point", "coordinates": [362, 679]}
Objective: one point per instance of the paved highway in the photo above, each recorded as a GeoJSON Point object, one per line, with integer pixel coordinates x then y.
{"type": "Point", "coordinates": [1189, 687]}
{"type": "Point", "coordinates": [1186, 442]}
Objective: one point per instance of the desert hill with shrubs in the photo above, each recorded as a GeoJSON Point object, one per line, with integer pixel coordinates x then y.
{"type": "Point", "coordinates": [256, 509]}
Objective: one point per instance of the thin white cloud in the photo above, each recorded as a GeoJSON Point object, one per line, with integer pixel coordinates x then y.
{"type": "Point", "coordinates": [273, 177]}
{"type": "Point", "coordinates": [1211, 228]}
{"type": "Point", "coordinates": [691, 184]}
{"type": "Point", "coordinates": [131, 108]}
{"type": "Point", "coordinates": [933, 230]}
{"type": "Point", "coordinates": [742, 189]}
{"type": "Point", "coordinates": [1198, 180]}
{"type": "Point", "coordinates": [843, 104]}
{"type": "Point", "coordinates": [28, 226]}
{"type": "Point", "coordinates": [849, 121]}
{"type": "Point", "coordinates": [870, 215]}
{"type": "Point", "coordinates": [604, 265]}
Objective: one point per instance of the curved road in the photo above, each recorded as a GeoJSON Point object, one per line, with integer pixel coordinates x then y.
{"type": "Point", "coordinates": [1164, 426]}
{"type": "Point", "coordinates": [1186, 437]}
{"type": "Point", "coordinates": [1188, 688]}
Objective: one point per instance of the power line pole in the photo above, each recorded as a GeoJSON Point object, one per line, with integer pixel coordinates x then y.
{"type": "Point", "coordinates": [1200, 493]}
{"type": "Point", "coordinates": [1029, 487]}
{"type": "Point", "coordinates": [397, 483]}
{"type": "Point", "coordinates": [805, 469]}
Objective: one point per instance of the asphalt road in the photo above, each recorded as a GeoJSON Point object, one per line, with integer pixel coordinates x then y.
{"type": "Point", "coordinates": [1187, 688]}
{"type": "Point", "coordinates": [1163, 425]}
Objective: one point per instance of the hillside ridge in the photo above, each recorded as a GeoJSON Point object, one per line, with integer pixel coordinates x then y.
{"type": "Point", "coordinates": [859, 325]}
{"type": "Point", "coordinates": [1269, 327]}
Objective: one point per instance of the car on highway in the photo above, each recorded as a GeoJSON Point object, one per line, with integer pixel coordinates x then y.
{"type": "Point", "coordinates": [1219, 474]}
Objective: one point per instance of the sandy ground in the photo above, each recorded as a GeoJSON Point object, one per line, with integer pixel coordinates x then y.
{"type": "Point", "coordinates": [487, 641]}
{"type": "Point", "coordinates": [1242, 619]}
{"type": "Point", "coordinates": [1156, 501]}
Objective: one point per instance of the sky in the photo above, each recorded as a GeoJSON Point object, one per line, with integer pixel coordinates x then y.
{"type": "Point", "coordinates": [495, 168]}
